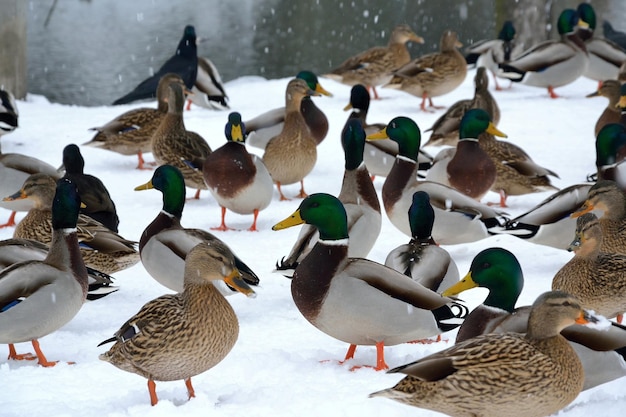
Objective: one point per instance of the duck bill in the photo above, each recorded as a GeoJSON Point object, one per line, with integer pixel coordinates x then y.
{"type": "Point", "coordinates": [590, 319]}
{"type": "Point", "coordinates": [294, 220]}
{"type": "Point", "coordinates": [594, 94]}
{"type": "Point", "coordinates": [322, 90]}
{"type": "Point", "coordinates": [416, 38]}
{"type": "Point", "coordinates": [466, 283]}
{"type": "Point", "coordinates": [492, 130]}
{"type": "Point", "coordinates": [378, 135]}
{"type": "Point", "coordinates": [235, 281]}
{"type": "Point", "coordinates": [236, 133]}
{"type": "Point", "coordinates": [622, 102]}
{"type": "Point", "coordinates": [576, 243]}
{"type": "Point", "coordinates": [20, 195]}
{"type": "Point", "coordinates": [348, 107]}
{"type": "Point", "coordinates": [146, 186]}
{"type": "Point", "coordinates": [587, 207]}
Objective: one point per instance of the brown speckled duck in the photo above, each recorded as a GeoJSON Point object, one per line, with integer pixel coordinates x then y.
{"type": "Point", "coordinates": [130, 133]}
{"type": "Point", "coordinates": [178, 336]}
{"type": "Point", "coordinates": [173, 144]}
{"type": "Point", "coordinates": [374, 66]}
{"type": "Point", "coordinates": [495, 375]}
{"type": "Point", "coordinates": [432, 75]}
{"type": "Point", "coordinates": [291, 155]}
{"type": "Point", "coordinates": [611, 114]}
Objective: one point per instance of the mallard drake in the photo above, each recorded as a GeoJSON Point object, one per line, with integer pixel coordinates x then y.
{"type": "Point", "coordinates": [611, 114]}
{"type": "Point", "coordinates": [499, 271]}
{"type": "Point", "coordinates": [422, 259]}
{"type": "Point", "coordinates": [610, 155]}
{"type": "Point", "coordinates": [611, 34]}
{"type": "Point", "coordinates": [458, 218]}
{"type": "Point", "coordinates": [39, 297]}
{"type": "Point", "coordinates": [237, 179]}
{"type": "Point", "coordinates": [596, 277]}
{"type": "Point", "coordinates": [488, 53]}
{"type": "Point", "coordinates": [356, 300]}
{"type": "Point", "coordinates": [101, 248]}
{"type": "Point", "coordinates": [607, 197]}
{"type": "Point", "coordinates": [173, 144]}
{"type": "Point", "coordinates": [178, 336]}
{"type": "Point", "coordinates": [359, 199]}
{"type": "Point", "coordinates": [469, 169]}
{"type": "Point", "coordinates": [509, 374]}
{"type": "Point", "coordinates": [93, 194]}
{"type": "Point", "coordinates": [184, 62]}
{"type": "Point", "coordinates": [432, 75]}
{"type": "Point", "coordinates": [552, 63]}
{"type": "Point", "coordinates": [605, 56]}
{"type": "Point", "coordinates": [291, 155]}
{"type": "Point", "coordinates": [164, 243]}
{"type": "Point", "coordinates": [269, 124]}
{"type": "Point", "coordinates": [8, 112]}
{"type": "Point", "coordinates": [446, 128]}
{"type": "Point", "coordinates": [130, 133]}
{"type": "Point", "coordinates": [208, 91]}
{"type": "Point", "coordinates": [374, 66]}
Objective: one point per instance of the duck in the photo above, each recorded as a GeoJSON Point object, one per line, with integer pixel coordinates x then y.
{"type": "Point", "coordinates": [538, 373]}
{"type": "Point", "coordinates": [377, 305]}
{"type": "Point", "coordinates": [359, 199]}
{"type": "Point", "coordinates": [596, 277]}
{"type": "Point", "coordinates": [130, 133]}
{"type": "Point", "coordinates": [607, 197]}
{"type": "Point", "coordinates": [9, 115]}
{"type": "Point", "coordinates": [611, 114]}
{"type": "Point", "coordinates": [38, 297]}
{"type": "Point", "coordinates": [605, 56]}
{"type": "Point", "coordinates": [468, 168]}
{"type": "Point", "coordinates": [184, 62]}
{"type": "Point", "coordinates": [93, 193]}
{"type": "Point", "coordinates": [178, 336]}
{"type": "Point", "coordinates": [499, 271]}
{"type": "Point", "coordinates": [101, 248]}
{"type": "Point", "coordinates": [445, 130]}
{"type": "Point", "coordinates": [422, 259]}
{"type": "Point", "coordinates": [237, 179]}
{"type": "Point", "coordinates": [552, 63]}
{"type": "Point", "coordinates": [610, 155]}
{"type": "Point", "coordinates": [614, 35]}
{"type": "Point", "coordinates": [165, 243]}
{"type": "Point", "coordinates": [458, 218]}
{"type": "Point", "coordinates": [208, 91]}
{"type": "Point", "coordinates": [489, 53]}
{"type": "Point", "coordinates": [291, 155]}
{"type": "Point", "coordinates": [267, 125]}
{"type": "Point", "coordinates": [434, 74]}
{"type": "Point", "coordinates": [373, 67]}
{"type": "Point", "coordinates": [173, 144]}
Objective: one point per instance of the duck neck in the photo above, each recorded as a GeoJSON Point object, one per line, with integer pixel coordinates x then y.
{"type": "Point", "coordinates": [163, 221]}
{"type": "Point", "coordinates": [402, 174]}
{"type": "Point", "coordinates": [357, 188]}
{"type": "Point", "coordinates": [64, 253]}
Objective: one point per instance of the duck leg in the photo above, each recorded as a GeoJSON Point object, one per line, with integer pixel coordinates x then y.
{"type": "Point", "coordinates": [223, 226]}
{"type": "Point", "coordinates": [253, 227]}
{"type": "Point", "coordinates": [19, 357]}
{"type": "Point", "coordinates": [190, 390]}
{"type": "Point", "coordinates": [10, 222]}
{"type": "Point", "coordinates": [141, 162]}
{"type": "Point", "coordinates": [42, 359]}
{"type": "Point", "coordinates": [302, 193]}
{"type": "Point", "coordinates": [552, 93]}
{"type": "Point", "coordinates": [152, 390]}
{"type": "Point", "coordinates": [282, 196]}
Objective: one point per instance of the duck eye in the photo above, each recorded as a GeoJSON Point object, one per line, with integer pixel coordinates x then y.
{"type": "Point", "coordinates": [486, 265]}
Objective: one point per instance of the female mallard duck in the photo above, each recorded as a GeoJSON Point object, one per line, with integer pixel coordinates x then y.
{"type": "Point", "coordinates": [469, 169]}
{"type": "Point", "coordinates": [184, 63]}
{"type": "Point", "coordinates": [102, 248]}
{"type": "Point", "coordinates": [490, 53]}
{"type": "Point", "coordinates": [359, 199]}
{"type": "Point", "coordinates": [596, 277]}
{"type": "Point", "coordinates": [446, 128]}
{"type": "Point", "coordinates": [356, 300]}
{"type": "Point", "coordinates": [611, 114]}
{"type": "Point", "coordinates": [178, 336]}
{"type": "Point", "coordinates": [509, 374]}
{"type": "Point", "coordinates": [458, 218]}
{"type": "Point", "coordinates": [607, 197]}
{"type": "Point", "coordinates": [173, 144]}
{"type": "Point", "coordinates": [208, 90]}
{"type": "Point", "coordinates": [39, 297]}
{"type": "Point", "coordinates": [610, 155]}
{"type": "Point", "coordinates": [93, 194]}
{"type": "Point", "coordinates": [374, 66]}
{"type": "Point", "coordinates": [237, 179]}
{"type": "Point", "coordinates": [8, 112]}
{"type": "Point", "coordinates": [605, 56]}
{"type": "Point", "coordinates": [422, 259]}
{"type": "Point", "coordinates": [552, 63]}
{"type": "Point", "coordinates": [291, 155]}
{"type": "Point", "coordinates": [269, 124]}
{"type": "Point", "coordinates": [131, 132]}
{"type": "Point", "coordinates": [432, 75]}
{"type": "Point", "coordinates": [164, 244]}
{"type": "Point", "coordinates": [499, 271]}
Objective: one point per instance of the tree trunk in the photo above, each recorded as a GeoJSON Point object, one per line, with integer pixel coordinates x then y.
{"type": "Point", "coordinates": [13, 46]}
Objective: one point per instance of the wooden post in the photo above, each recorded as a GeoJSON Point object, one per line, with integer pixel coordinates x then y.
{"type": "Point", "coordinates": [13, 46]}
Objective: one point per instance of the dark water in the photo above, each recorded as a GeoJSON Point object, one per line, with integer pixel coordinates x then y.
{"type": "Point", "coordinates": [91, 52]}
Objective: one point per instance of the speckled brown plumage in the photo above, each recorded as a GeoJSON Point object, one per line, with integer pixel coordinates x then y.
{"type": "Point", "coordinates": [611, 114]}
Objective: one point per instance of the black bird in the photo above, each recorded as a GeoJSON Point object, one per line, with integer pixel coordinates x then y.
{"type": "Point", "coordinates": [184, 63]}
